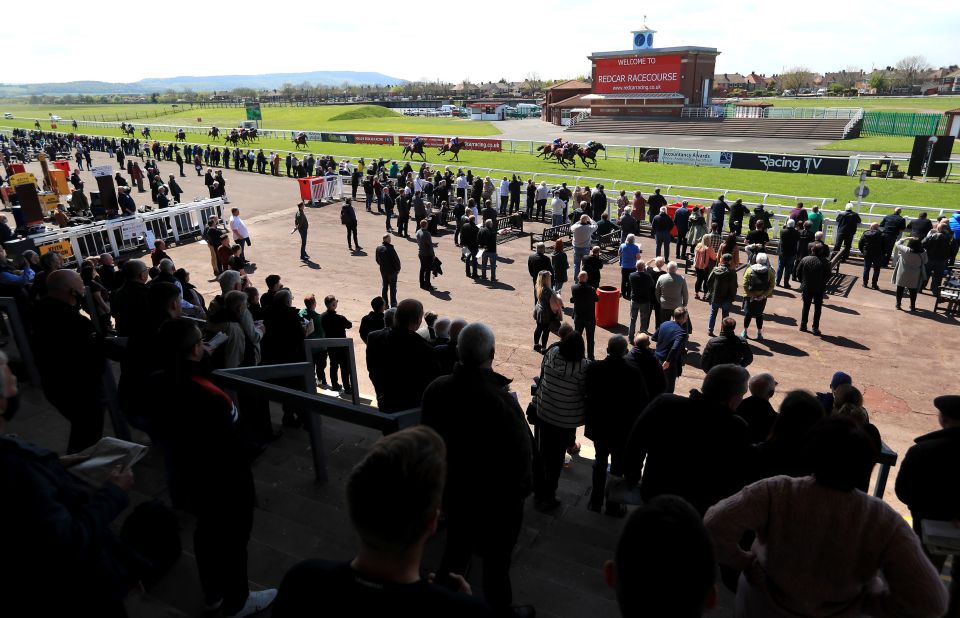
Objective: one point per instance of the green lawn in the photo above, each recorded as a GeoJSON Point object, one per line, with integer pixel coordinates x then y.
{"type": "Point", "coordinates": [333, 118]}
{"type": "Point", "coordinates": [873, 143]}
{"type": "Point", "coordinates": [932, 194]}
{"type": "Point", "coordinates": [935, 104]}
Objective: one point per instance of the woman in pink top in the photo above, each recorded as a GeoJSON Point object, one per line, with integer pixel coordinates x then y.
{"type": "Point", "coordinates": [824, 548]}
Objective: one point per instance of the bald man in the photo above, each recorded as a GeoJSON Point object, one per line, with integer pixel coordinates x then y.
{"type": "Point", "coordinates": [69, 355]}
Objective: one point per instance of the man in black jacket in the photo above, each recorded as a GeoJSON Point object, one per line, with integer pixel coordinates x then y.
{"type": "Point", "coordinates": [208, 467]}
{"type": "Point", "coordinates": [807, 236]}
{"type": "Point", "coordinates": [927, 476]}
{"type": "Point", "coordinates": [717, 211]}
{"type": "Point", "coordinates": [335, 327]}
{"type": "Point", "coordinates": [61, 335]}
{"type": "Point", "coordinates": [871, 248]}
{"type": "Point", "coordinates": [641, 299]}
{"type": "Point", "coordinates": [400, 362]}
{"type": "Point", "coordinates": [737, 212]}
{"type": "Point", "coordinates": [847, 222]}
{"type": "Point", "coordinates": [727, 348]}
{"type": "Point", "coordinates": [695, 447]}
{"type": "Point", "coordinates": [789, 236]}
{"type": "Point", "coordinates": [389, 263]}
{"type": "Point", "coordinates": [891, 226]}
{"type": "Point", "coordinates": [128, 305]}
{"type": "Point", "coordinates": [654, 204]}
{"type": "Point", "coordinates": [487, 241]}
{"type": "Point", "coordinates": [937, 246]}
{"type": "Point", "coordinates": [814, 270]}
{"type": "Point", "coordinates": [538, 262]}
{"type": "Point", "coordinates": [584, 298]}
{"type": "Point", "coordinates": [645, 361]}
{"type": "Point", "coordinates": [348, 218]}
{"type": "Point", "coordinates": [615, 396]}
{"type": "Point", "coordinates": [470, 240]}
{"type": "Point", "coordinates": [598, 203]}
{"type": "Point", "coordinates": [473, 409]}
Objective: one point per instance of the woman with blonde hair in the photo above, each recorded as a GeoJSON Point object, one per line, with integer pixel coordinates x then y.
{"type": "Point", "coordinates": [704, 259]}
{"type": "Point", "coordinates": [548, 312]}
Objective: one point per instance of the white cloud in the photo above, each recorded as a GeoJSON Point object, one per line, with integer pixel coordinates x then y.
{"type": "Point", "coordinates": [107, 41]}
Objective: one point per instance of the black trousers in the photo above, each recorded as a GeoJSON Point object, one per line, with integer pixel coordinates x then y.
{"type": "Point", "coordinates": [900, 292]}
{"type": "Point", "coordinates": [816, 298]}
{"type": "Point", "coordinates": [846, 242]}
{"type": "Point", "coordinates": [490, 533]}
{"type": "Point", "coordinates": [426, 264]}
{"type": "Point", "coordinates": [303, 243]}
{"type": "Point", "coordinates": [605, 450]}
{"type": "Point", "coordinates": [339, 360]}
{"type": "Point", "coordinates": [553, 443]}
{"type": "Point", "coordinates": [220, 545]}
{"type": "Point", "coordinates": [889, 240]}
{"type": "Point", "coordinates": [86, 423]}
{"type": "Point", "coordinates": [588, 324]}
{"type": "Point", "coordinates": [352, 229]}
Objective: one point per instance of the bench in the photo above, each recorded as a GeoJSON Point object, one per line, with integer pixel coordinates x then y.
{"type": "Point", "coordinates": [509, 227]}
{"type": "Point", "coordinates": [551, 234]}
{"type": "Point", "coordinates": [949, 293]}
{"type": "Point", "coordinates": [609, 245]}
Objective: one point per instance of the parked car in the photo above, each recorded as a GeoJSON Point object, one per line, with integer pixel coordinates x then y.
{"type": "Point", "coordinates": [7, 115]}
{"type": "Point", "coordinates": [788, 93]}
{"type": "Point", "coordinates": [821, 92]}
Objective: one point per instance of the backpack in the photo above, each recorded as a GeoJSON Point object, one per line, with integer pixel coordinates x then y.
{"type": "Point", "coordinates": [755, 282]}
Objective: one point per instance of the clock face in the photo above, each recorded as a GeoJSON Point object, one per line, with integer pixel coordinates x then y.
{"type": "Point", "coordinates": [639, 39]}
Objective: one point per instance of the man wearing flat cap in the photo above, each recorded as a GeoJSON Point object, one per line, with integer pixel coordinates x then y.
{"type": "Point", "coordinates": [927, 482]}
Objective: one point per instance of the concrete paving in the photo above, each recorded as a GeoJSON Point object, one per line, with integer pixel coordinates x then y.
{"type": "Point", "coordinates": [900, 361]}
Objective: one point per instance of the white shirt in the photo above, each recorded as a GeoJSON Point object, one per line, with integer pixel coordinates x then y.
{"type": "Point", "coordinates": [557, 205]}
{"type": "Point", "coordinates": [238, 228]}
{"type": "Point", "coordinates": [461, 182]}
{"type": "Point", "coordinates": [582, 233]}
{"type": "Point", "coordinates": [504, 188]}
{"type": "Point", "coordinates": [542, 192]}
{"type": "Point", "coordinates": [418, 184]}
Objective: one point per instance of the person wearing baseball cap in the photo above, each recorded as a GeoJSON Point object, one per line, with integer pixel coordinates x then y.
{"type": "Point", "coordinates": [826, 399]}
{"type": "Point", "coordinates": [927, 482]}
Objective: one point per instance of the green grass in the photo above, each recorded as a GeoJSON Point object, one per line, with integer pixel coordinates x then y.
{"type": "Point", "coordinates": [918, 105]}
{"type": "Point", "coordinates": [873, 143]}
{"type": "Point", "coordinates": [333, 118]}
{"type": "Point", "coordinates": [930, 194]}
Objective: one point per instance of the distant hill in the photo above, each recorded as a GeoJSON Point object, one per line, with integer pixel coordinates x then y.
{"type": "Point", "coordinates": [202, 83]}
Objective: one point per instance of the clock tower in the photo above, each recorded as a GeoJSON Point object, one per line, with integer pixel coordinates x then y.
{"type": "Point", "coordinates": [643, 38]}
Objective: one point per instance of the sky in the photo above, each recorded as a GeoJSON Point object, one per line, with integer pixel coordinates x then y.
{"type": "Point", "coordinates": [105, 40]}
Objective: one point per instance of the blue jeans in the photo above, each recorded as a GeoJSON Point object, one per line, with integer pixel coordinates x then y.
{"type": "Point", "coordinates": [724, 309]}
{"type": "Point", "coordinates": [488, 256]}
{"type": "Point", "coordinates": [935, 269]}
{"type": "Point", "coordinates": [872, 263]}
{"type": "Point", "coordinates": [664, 239]}
{"type": "Point", "coordinates": [785, 264]}
{"type": "Point", "coordinates": [389, 285]}
{"type": "Point", "coordinates": [558, 219]}
{"type": "Point", "coordinates": [389, 218]}
{"type": "Point", "coordinates": [578, 254]}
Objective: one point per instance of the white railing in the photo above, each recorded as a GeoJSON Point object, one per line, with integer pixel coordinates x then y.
{"type": "Point", "coordinates": [715, 111]}
{"type": "Point", "coordinates": [575, 119]}
{"type": "Point", "coordinates": [853, 122]}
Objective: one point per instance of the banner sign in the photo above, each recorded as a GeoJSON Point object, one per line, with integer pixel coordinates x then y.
{"type": "Point", "coordinates": [23, 178]}
{"type": "Point", "coordinates": [342, 138]}
{"type": "Point", "coordinates": [253, 111]}
{"type": "Point", "coordinates": [373, 139]}
{"type": "Point", "coordinates": [63, 247]}
{"type": "Point", "coordinates": [102, 170]}
{"type": "Point", "coordinates": [314, 136]}
{"type": "Point", "coordinates": [132, 229]}
{"type": "Point", "coordinates": [706, 158]}
{"type": "Point", "coordinates": [429, 142]}
{"type": "Point", "coordinates": [493, 145]}
{"type": "Point", "coordinates": [49, 202]}
{"type": "Point", "coordinates": [637, 74]}
{"type": "Point", "coordinates": [794, 164]}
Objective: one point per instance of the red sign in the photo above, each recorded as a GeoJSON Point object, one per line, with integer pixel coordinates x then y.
{"type": "Point", "coordinates": [492, 145]}
{"type": "Point", "coordinates": [481, 144]}
{"type": "Point", "coordinates": [637, 74]}
{"type": "Point", "coordinates": [368, 138]}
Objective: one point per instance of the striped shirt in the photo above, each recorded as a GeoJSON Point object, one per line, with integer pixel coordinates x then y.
{"type": "Point", "coordinates": [560, 397]}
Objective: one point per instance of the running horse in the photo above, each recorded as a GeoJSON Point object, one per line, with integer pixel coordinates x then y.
{"type": "Point", "coordinates": [590, 153]}
{"type": "Point", "coordinates": [568, 152]}
{"type": "Point", "coordinates": [300, 141]}
{"type": "Point", "coordinates": [252, 135]}
{"type": "Point", "coordinates": [181, 136]}
{"type": "Point", "coordinates": [214, 132]}
{"type": "Point", "coordinates": [145, 132]}
{"type": "Point", "coordinates": [454, 148]}
{"type": "Point", "coordinates": [232, 138]}
{"type": "Point", "coordinates": [546, 151]}
{"type": "Point", "coordinates": [126, 129]}
{"type": "Point", "coordinates": [418, 149]}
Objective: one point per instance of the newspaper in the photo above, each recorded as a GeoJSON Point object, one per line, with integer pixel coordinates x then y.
{"type": "Point", "coordinates": [95, 464]}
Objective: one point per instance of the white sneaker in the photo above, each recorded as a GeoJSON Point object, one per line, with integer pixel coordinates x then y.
{"type": "Point", "coordinates": [257, 602]}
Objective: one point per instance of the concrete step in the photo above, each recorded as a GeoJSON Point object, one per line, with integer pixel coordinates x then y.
{"type": "Point", "coordinates": [742, 127]}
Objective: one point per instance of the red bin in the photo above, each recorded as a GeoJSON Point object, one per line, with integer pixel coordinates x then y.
{"type": "Point", "coordinates": [305, 188]}
{"type": "Point", "coordinates": [17, 168]}
{"type": "Point", "coordinates": [608, 306]}
{"type": "Point", "coordinates": [672, 211]}
{"type": "Point", "coordinates": [62, 164]}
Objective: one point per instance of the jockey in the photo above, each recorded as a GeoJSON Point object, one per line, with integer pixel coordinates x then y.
{"type": "Point", "coordinates": [589, 145]}
{"type": "Point", "coordinates": [558, 141]}
{"type": "Point", "coordinates": [455, 142]}
{"type": "Point", "coordinates": [416, 141]}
